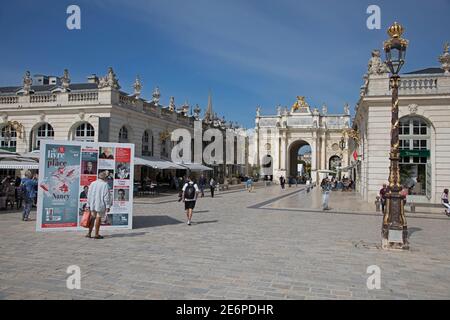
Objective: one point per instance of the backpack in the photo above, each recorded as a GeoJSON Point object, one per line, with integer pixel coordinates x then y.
{"type": "Point", "coordinates": [189, 192]}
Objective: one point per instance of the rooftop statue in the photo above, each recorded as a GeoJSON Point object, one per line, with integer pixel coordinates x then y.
{"type": "Point", "coordinates": [444, 59]}
{"type": "Point", "coordinates": [27, 82]}
{"type": "Point", "coordinates": [300, 105]}
{"type": "Point", "coordinates": [172, 105]}
{"type": "Point", "coordinates": [65, 80]}
{"type": "Point", "coordinates": [376, 65]}
{"type": "Point", "coordinates": [137, 86]}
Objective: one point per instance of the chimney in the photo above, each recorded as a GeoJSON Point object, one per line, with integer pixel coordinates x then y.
{"type": "Point", "coordinates": [93, 78]}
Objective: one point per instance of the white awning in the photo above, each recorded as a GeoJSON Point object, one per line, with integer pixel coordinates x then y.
{"type": "Point", "coordinates": [196, 167]}
{"type": "Point", "coordinates": [156, 163]}
{"type": "Point", "coordinates": [11, 164]}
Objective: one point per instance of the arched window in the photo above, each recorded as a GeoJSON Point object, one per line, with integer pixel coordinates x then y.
{"type": "Point", "coordinates": [8, 138]}
{"type": "Point", "coordinates": [334, 163]}
{"type": "Point", "coordinates": [147, 143]}
{"type": "Point", "coordinates": [43, 132]}
{"type": "Point", "coordinates": [123, 135]}
{"type": "Point", "coordinates": [415, 145]}
{"type": "Point", "coordinates": [84, 132]}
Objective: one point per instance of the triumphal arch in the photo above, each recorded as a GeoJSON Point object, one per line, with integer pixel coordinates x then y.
{"type": "Point", "coordinates": [301, 137]}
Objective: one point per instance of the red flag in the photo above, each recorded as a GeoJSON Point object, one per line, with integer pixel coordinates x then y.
{"type": "Point", "coordinates": [355, 155]}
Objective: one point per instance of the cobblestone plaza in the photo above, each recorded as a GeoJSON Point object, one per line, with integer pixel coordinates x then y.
{"type": "Point", "coordinates": [240, 246]}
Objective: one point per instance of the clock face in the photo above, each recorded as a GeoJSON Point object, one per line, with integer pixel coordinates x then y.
{"type": "Point", "coordinates": [335, 147]}
{"type": "Point", "coordinates": [268, 146]}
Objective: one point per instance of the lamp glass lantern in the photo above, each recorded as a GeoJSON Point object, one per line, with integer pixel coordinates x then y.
{"type": "Point", "coordinates": [395, 49]}
{"type": "Point", "coordinates": [395, 56]}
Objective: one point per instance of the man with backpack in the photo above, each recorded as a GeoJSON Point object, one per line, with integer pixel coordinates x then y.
{"type": "Point", "coordinates": [28, 189]}
{"type": "Point", "coordinates": [190, 194]}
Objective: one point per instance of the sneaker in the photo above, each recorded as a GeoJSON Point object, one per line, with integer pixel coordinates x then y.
{"type": "Point", "coordinates": [189, 222]}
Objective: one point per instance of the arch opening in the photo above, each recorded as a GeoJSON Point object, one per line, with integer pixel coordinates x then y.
{"type": "Point", "coordinates": [300, 156]}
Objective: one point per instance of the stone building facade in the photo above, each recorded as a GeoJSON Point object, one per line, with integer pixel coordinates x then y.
{"type": "Point", "coordinates": [424, 111]}
{"type": "Point", "coordinates": [97, 110]}
{"type": "Point", "coordinates": [278, 139]}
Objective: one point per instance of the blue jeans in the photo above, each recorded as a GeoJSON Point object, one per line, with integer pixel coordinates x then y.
{"type": "Point", "coordinates": [27, 205]}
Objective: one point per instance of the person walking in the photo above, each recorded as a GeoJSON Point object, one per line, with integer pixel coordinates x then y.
{"type": "Point", "coordinates": [444, 200]}
{"type": "Point", "coordinates": [404, 193]}
{"type": "Point", "coordinates": [249, 184]}
{"type": "Point", "coordinates": [29, 191]}
{"type": "Point", "coordinates": [383, 192]}
{"type": "Point", "coordinates": [202, 184]}
{"type": "Point", "coordinates": [326, 188]}
{"type": "Point", "coordinates": [18, 192]}
{"type": "Point", "coordinates": [99, 203]}
{"type": "Point", "coordinates": [190, 195]}
{"type": "Point", "coordinates": [212, 186]}
{"type": "Point", "coordinates": [282, 182]}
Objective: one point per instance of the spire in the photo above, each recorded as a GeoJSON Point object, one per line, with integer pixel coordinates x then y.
{"type": "Point", "coordinates": [209, 111]}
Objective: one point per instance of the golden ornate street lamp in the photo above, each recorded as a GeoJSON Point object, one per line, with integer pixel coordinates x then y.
{"type": "Point", "coordinates": [394, 229]}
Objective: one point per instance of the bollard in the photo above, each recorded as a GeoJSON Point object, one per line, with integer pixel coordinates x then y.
{"type": "Point", "coordinates": [412, 207]}
{"type": "Point", "coordinates": [378, 204]}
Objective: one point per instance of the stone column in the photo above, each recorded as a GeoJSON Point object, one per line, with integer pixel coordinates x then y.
{"type": "Point", "coordinates": [323, 151]}
{"type": "Point", "coordinates": [314, 173]}
{"type": "Point", "coordinates": [256, 142]}
{"type": "Point", "coordinates": [282, 162]}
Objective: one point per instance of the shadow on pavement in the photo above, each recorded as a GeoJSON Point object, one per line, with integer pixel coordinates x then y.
{"type": "Point", "coordinates": [412, 230]}
{"type": "Point", "coordinates": [126, 235]}
{"type": "Point", "coordinates": [203, 222]}
{"type": "Point", "coordinates": [141, 222]}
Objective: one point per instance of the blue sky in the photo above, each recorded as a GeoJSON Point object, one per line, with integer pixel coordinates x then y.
{"type": "Point", "coordinates": [247, 52]}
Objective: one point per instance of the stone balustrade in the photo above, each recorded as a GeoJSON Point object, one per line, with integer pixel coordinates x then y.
{"type": "Point", "coordinates": [9, 100]}
{"type": "Point", "coordinates": [418, 85]}
{"type": "Point", "coordinates": [42, 98]}
{"type": "Point", "coordinates": [127, 100]}
{"type": "Point", "coordinates": [83, 96]}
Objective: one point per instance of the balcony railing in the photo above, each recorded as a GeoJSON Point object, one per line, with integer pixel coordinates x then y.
{"type": "Point", "coordinates": [9, 100]}
{"type": "Point", "coordinates": [83, 96]}
{"type": "Point", "coordinates": [418, 85]}
{"type": "Point", "coordinates": [127, 100]}
{"type": "Point", "coordinates": [42, 98]}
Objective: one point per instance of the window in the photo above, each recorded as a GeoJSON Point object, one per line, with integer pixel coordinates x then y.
{"type": "Point", "coordinates": [147, 143]}
{"type": "Point", "coordinates": [8, 138]}
{"type": "Point", "coordinates": [414, 154]}
{"type": "Point", "coordinates": [123, 135]}
{"type": "Point", "coordinates": [84, 132]}
{"type": "Point", "coordinates": [43, 132]}
{"type": "Point", "coordinates": [164, 151]}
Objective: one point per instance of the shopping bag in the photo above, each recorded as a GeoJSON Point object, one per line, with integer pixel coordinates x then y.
{"type": "Point", "coordinates": [86, 219]}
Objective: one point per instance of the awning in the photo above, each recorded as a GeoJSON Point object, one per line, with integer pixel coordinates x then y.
{"type": "Point", "coordinates": [196, 167]}
{"type": "Point", "coordinates": [11, 164]}
{"type": "Point", "coordinates": [156, 163]}
{"type": "Point", "coordinates": [33, 154]}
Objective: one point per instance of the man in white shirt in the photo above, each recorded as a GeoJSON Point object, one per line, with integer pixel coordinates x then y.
{"type": "Point", "coordinates": [189, 196]}
{"type": "Point", "coordinates": [99, 202]}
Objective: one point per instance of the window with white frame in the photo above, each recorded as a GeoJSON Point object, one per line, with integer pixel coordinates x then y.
{"type": "Point", "coordinates": [8, 138]}
{"type": "Point", "coordinates": [415, 154]}
{"type": "Point", "coordinates": [84, 132]}
{"type": "Point", "coordinates": [43, 132]}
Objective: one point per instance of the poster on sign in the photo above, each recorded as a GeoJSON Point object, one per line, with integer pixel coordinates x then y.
{"type": "Point", "coordinates": [66, 171]}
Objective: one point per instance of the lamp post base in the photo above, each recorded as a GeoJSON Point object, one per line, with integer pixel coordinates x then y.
{"type": "Point", "coordinates": [395, 239]}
